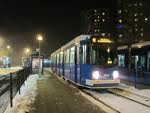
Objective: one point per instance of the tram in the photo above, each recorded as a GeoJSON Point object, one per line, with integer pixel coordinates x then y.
{"type": "Point", "coordinates": [88, 61]}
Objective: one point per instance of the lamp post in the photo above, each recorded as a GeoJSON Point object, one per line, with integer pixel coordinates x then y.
{"type": "Point", "coordinates": [9, 55]}
{"type": "Point", "coordinates": [9, 52]}
{"type": "Point", "coordinates": [40, 38]}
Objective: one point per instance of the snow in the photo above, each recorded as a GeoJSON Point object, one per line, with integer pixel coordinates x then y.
{"type": "Point", "coordinates": [97, 103]}
{"type": "Point", "coordinates": [120, 104]}
{"type": "Point", "coordinates": [144, 92]}
{"type": "Point", "coordinates": [17, 67]}
{"type": "Point", "coordinates": [5, 71]}
{"type": "Point", "coordinates": [22, 102]}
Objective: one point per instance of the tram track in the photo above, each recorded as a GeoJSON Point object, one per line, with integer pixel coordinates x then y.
{"type": "Point", "coordinates": [131, 96]}
{"type": "Point", "coordinates": [113, 110]}
{"type": "Point", "coordinates": [111, 102]}
{"type": "Point", "coordinates": [124, 101]}
{"type": "Point", "coordinates": [90, 97]}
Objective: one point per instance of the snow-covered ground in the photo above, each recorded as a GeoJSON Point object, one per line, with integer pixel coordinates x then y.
{"type": "Point", "coordinates": [120, 104]}
{"type": "Point", "coordinates": [28, 92]}
{"type": "Point", "coordinates": [16, 67]}
{"type": "Point", "coordinates": [144, 92]}
{"type": "Point", "coordinates": [5, 71]}
{"type": "Point", "coordinates": [123, 104]}
{"type": "Point", "coordinates": [22, 102]}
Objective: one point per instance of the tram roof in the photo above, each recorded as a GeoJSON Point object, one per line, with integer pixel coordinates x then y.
{"type": "Point", "coordinates": [72, 42]}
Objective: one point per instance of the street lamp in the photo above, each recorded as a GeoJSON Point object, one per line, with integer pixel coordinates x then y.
{"type": "Point", "coordinates": [8, 47]}
{"type": "Point", "coordinates": [40, 38]}
{"type": "Point", "coordinates": [9, 56]}
{"type": "Point", "coordinates": [27, 51]}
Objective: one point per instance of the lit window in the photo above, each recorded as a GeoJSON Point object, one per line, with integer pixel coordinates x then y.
{"type": "Point", "coordinates": [98, 20]}
{"type": "Point", "coordinates": [142, 29]}
{"type": "Point", "coordinates": [95, 10]}
{"type": "Point", "coordinates": [141, 34]}
{"type": "Point", "coordinates": [98, 17]}
{"type": "Point", "coordinates": [95, 20]}
{"type": "Point", "coordinates": [135, 14]}
{"type": "Point", "coordinates": [140, 4]}
{"type": "Point", "coordinates": [103, 34]}
{"type": "Point", "coordinates": [136, 20]}
{"type": "Point", "coordinates": [103, 13]}
{"type": "Point", "coordinates": [135, 4]}
{"type": "Point", "coordinates": [95, 30]}
{"type": "Point", "coordinates": [120, 35]}
{"type": "Point", "coordinates": [146, 19]}
{"type": "Point", "coordinates": [98, 30]}
{"type": "Point", "coordinates": [136, 29]}
{"type": "Point", "coordinates": [103, 20]}
{"type": "Point", "coordinates": [119, 11]}
{"type": "Point", "coordinates": [120, 21]}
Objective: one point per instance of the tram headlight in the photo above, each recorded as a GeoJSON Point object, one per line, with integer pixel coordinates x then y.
{"type": "Point", "coordinates": [95, 75]}
{"type": "Point", "coordinates": [115, 74]}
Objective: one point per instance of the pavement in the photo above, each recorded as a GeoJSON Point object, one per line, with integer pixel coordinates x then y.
{"type": "Point", "coordinates": [57, 96]}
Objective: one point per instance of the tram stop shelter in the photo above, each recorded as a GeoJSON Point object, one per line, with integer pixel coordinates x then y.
{"type": "Point", "coordinates": [37, 62]}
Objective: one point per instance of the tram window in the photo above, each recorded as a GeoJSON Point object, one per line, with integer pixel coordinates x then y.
{"type": "Point", "coordinates": [103, 55]}
{"type": "Point", "coordinates": [61, 57]}
{"type": "Point", "coordinates": [78, 56]}
{"type": "Point", "coordinates": [67, 56]}
{"type": "Point", "coordinates": [93, 60]}
{"type": "Point", "coordinates": [143, 61]}
{"type": "Point", "coordinates": [54, 59]}
{"type": "Point", "coordinates": [121, 60]}
{"type": "Point", "coordinates": [57, 59]}
{"type": "Point", "coordinates": [72, 50]}
{"type": "Point", "coordinates": [84, 54]}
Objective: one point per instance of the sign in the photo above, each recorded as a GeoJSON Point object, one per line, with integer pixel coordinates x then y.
{"type": "Point", "coordinates": [101, 40]}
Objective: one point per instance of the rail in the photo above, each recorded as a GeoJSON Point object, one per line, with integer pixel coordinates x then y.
{"type": "Point", "coordinates": [9, 86]}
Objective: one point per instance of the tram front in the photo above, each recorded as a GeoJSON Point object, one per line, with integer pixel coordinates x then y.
{"type": "Point", "coordinates": [103, 61]}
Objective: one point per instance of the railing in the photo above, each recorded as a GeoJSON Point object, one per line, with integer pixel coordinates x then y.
{"type": "Point", "coordinates": [10, 85]}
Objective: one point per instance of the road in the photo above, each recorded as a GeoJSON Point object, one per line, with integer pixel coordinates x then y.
{"type": "Point", "coordinates": [54, 96]}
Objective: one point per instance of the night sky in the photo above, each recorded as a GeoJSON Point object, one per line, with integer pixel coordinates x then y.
{"type": "Point", "coordinates": [59, 22]}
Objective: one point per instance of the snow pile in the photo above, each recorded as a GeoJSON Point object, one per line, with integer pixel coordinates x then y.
{"type": "Point", "coordinates": [22, 102]}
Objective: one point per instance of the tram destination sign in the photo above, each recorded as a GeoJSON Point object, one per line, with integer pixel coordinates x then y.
{"type": "Point", "coordinates": [97, 39]}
